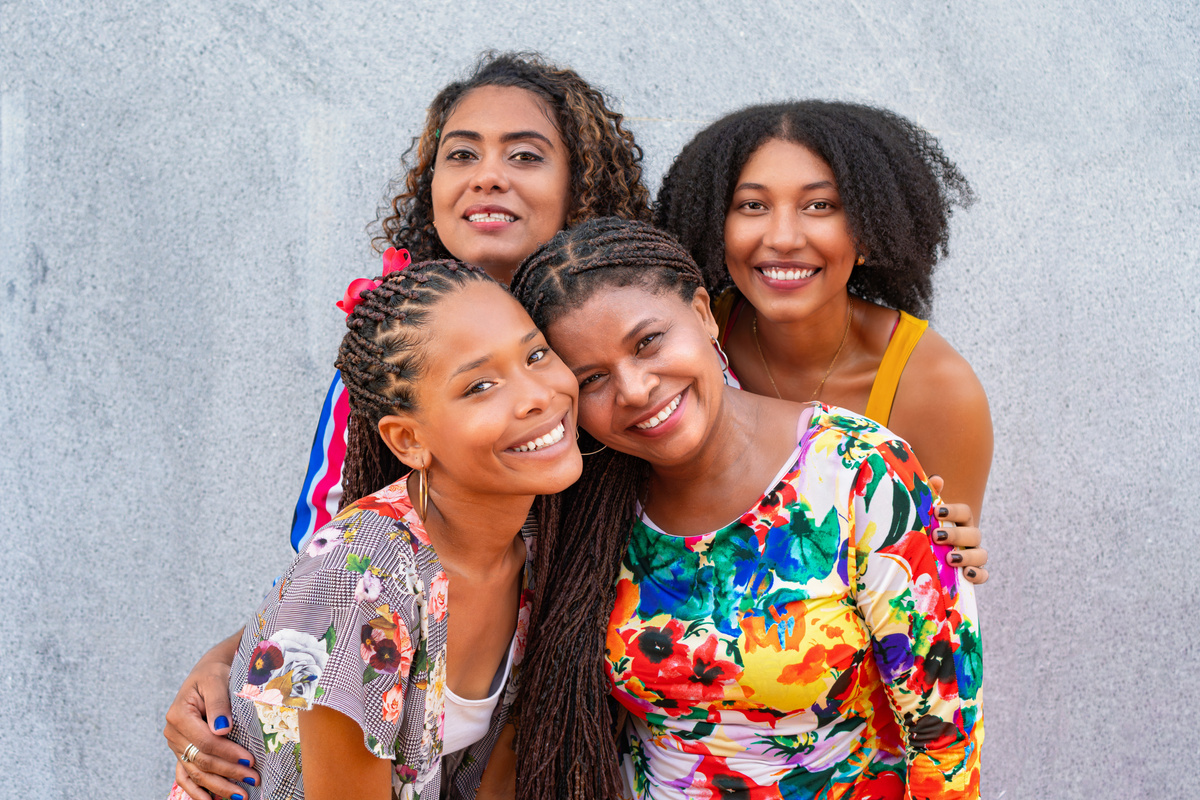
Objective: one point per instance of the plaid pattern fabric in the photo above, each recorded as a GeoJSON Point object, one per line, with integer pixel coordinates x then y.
{"type": "Point", "coordinates": [358, 624]}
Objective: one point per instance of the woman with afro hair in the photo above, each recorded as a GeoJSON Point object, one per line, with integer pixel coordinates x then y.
{"type": "Point", "coordinates": [817, 226]}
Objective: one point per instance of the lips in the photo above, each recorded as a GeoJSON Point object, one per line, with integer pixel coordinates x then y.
{"type": "Point", "coordinates": [781, 274]}
{"type": "Point", "coordinates": [542, 441]}
{"type": "Point", "coordinates": [662, 416]}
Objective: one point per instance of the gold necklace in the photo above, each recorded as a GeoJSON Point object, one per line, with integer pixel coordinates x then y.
{"type": "Point", "coordinates": [816, 392]}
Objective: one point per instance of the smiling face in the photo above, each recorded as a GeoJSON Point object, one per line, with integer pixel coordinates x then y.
{"type": "Point", "coordinates": [787, 244]}
{"type": "Point", "coordinates": [650, 382]}
{"type": "Point", "coordinates": [495, 405]}
{"type": "Point", "coordinates": [502, 179]}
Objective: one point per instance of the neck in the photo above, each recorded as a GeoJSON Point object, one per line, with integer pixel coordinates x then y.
{"type": "Point", "coordinates": [809, 343]}
{"type": "Point", "coordinates": [473, 534]}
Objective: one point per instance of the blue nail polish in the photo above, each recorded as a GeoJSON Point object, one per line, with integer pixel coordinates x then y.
{"type": "Point", "coordinates": [236, 797]}
{"type": "Point", "coordinates": [222, 723]}
{"type": "Point", "coordinates": [244, 762]}
{"type": "Point", "coordinates": [250, 781]}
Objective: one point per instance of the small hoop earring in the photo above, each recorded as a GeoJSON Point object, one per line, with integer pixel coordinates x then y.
{"type": "Point", "coordinates": [423, 496]}
{"type": "Point", "coordinates": [602, 447]}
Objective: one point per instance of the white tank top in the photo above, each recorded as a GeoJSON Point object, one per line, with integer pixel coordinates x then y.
{"type": "Point", "coordinates": [467, 721]}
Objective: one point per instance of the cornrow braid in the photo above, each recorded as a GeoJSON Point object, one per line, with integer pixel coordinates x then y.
{"type": "Point", "coordinates": [565, 743]}
{"type": "Point", "coordinates": [381, 361]}
{"type": "Point", "coordinates": [606, 162]}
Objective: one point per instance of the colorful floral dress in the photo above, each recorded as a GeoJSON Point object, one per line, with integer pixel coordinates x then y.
{"type": "Point", "coordinates": [358, 624]}
{"type": "Point", "coordinates": [818, 646]}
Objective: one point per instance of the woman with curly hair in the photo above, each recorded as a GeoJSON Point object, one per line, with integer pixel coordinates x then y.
{"type": "Point", "coordinates": [508, 157]}
{"type": "Point", "coordinates": [817, 226]}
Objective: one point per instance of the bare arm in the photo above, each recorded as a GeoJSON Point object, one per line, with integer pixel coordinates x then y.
{"type": "Point", "coordinates": [339, 765]}
{"type": "Point", "coordinates": [201, 716]}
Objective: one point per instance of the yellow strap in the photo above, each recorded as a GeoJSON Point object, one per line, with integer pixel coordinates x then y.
{"type": "Point", "coordinates": [883, 392]}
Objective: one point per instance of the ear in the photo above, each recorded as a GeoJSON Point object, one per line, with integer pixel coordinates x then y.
{"type": "Point", "coordinates": [403, 436]}
{"type": "Point", "coordinates": [703, 309]}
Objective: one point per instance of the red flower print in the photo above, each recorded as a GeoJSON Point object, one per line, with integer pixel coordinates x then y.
{"type": "Point", "coordinates": [379, 650]}
{"type": "Point", "coordinates": [265, 659]}
{"type": "Point", "coordinates": [709, 675]}
{"type": "Point", "coordinates": [658, 653]}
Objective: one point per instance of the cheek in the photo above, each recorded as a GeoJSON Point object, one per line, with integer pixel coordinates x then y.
{"type": "Point", "coordinates": [594, 412]}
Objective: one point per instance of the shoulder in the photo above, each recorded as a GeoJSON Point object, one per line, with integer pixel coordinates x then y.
{"type": "Point", "coordinates": [853, 436]}
{"type": "Point", "coordinates": [939, 391]}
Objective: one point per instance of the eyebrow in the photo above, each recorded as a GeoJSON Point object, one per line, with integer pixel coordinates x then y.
{"type": "Point", "coordinates": [475, 136]}
{"type": "Point", "coordinates": [634, 333]}
{"type": "Point", "coordinates": [806, 188]}
{"type": "Point", "coordinates": [479, 362]}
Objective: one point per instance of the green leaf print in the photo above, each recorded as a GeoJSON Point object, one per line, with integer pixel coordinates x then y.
{"type": "Point", "coordinates": [330, 639]}
{"type": "Point", "coordinates": [369, 674]}
{"type": "Point", "coordinates": [356, 564]}
{"type": "Point", "coordinates": [296, 757]}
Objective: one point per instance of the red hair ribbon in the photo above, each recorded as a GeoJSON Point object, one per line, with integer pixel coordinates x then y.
{"type": "Point", "coordinates": [393, 261]}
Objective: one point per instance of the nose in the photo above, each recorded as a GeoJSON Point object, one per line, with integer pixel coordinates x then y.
{"type": "Point", "coordinates": [490, 174]}
{"type": "Point", "coordinates": [785, 231]}
{"type": "Point", "coordinates": [633, 385]}
{"type": "Point", "coordinates": [536, 395]}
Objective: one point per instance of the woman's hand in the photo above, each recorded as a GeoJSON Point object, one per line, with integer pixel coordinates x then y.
{"type": "Point", "coordinates": [499, 780]}
{"type": "Point", "coordinates": [957, 528]}
{"type": "Point", "coordinates": [201, 716]}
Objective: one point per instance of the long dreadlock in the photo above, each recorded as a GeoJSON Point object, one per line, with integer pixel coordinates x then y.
{"type": "Point", "coordinates": [381, 359]}
{"type": "Point", "coordinates": [565, 744]}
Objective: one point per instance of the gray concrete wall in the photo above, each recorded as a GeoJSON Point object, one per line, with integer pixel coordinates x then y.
{"type": "Point", "coordinates": [183, 193]}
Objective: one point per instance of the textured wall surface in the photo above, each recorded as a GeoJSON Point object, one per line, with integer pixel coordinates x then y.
{"type": "Point", "coordinates": [183, 193]}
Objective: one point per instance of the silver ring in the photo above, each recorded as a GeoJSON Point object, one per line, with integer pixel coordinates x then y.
{"type": "Point", "coordinates": [189, 753]}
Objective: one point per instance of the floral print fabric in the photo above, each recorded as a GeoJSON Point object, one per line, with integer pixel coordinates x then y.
{"type": "Point", "coordinates": [816, 647]}
{"type": "Point", "coordinates": [358, 624]}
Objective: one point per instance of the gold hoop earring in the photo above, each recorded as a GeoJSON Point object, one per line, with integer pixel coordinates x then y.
{"type": "Point", "coordinates": [602, 447]}
{"type": "Point", "coordinates": [423, 497]}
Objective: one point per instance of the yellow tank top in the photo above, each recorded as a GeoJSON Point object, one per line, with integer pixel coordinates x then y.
{"type": "Point", "coordinates": [907, 333]}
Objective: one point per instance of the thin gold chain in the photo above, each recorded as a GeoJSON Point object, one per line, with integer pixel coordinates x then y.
{"type": "Point", "coordinates": [816, 392]}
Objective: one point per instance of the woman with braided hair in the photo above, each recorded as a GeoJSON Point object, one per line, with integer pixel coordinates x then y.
{"type": "Point", "coordinates": [361, 674]}
{"type": "Point", "coordinates": [509, 156]}
{"type": "Point", "coordinates": [758, 584]}
{"type": "Point", "coordinates": [817, 226]}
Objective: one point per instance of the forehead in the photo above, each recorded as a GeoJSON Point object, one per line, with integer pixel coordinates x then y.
{"type": "Point", "coordinates": [502, 109]}
{"type": "Point", "coordinates": [604, 322]}
{"type": "Point", "coordinates": [780, 161]}
{"type": "Point", "coordinates": [472, 323]}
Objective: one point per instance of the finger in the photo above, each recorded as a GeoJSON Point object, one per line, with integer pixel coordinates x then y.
{"type": "Point", "coordinates": [184, 782]}
{"type": "Point", "coordinates": [972, 557]}
{"type": "Point", "coordinates": [957, 536]}
{"type": "Point", "coordinates": [976, 575]}
{"type": "Point", "coordinates": [213, 770]}
{"type": "Point", "coordinates": [215, 784]}
{"type": "Point", "coordinates": [936, 483]}
{"type": "Point", "coordinates": [186, 725]}
{"type": "Point", "coordinates": [958, 513]}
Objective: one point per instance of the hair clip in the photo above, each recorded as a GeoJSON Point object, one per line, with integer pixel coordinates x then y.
{"type": "Point", "coordinates": [393, 261]}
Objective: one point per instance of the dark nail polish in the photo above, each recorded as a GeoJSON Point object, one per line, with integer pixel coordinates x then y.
{"type": "Point", "coordinates": [955, 558]}
{"type": "Point", "coordinates": [250, 781]}
{"type": "Point", "coordinates": [243, 762]}
{"type": "Point", "coordinates": [971, 572]}
{"type": "Point", "coordinates": [943, 511]}
{"type": "Point", "coordinates": [941, 535]}
{"type": "Point", "coordinates": [222, 723]}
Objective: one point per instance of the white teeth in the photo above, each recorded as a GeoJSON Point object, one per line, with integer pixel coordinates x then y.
{"type": "Point", "coordinates": [788, 274]}
{"type": "Point", "coordinates": [658, 418]}
{"type": "Point", "coordinates": [492, 218]}
{"type": "Point", "coordinates": [553, 437]}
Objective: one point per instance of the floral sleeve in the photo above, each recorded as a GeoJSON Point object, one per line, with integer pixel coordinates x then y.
{"type": "Point", "coordinates": [923, 624]}
{"type": "Point", "coordinates": [335, 636]}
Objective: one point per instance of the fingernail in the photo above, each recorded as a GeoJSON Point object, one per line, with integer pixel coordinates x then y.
{"type": "Point", "coordinates": [941, 535]}
{"type": "Point", "coordinates": [222, 723]}
{"type": "Point", "coordinates": [955, 558]}
{"type": "Point", "coordinates": [244, 762]}
{"type": "Point", "coordinates": [970, 572]}
{"type": "Point", "coordinates": [236, 797]}
{"type": "Point", "coordinates": [250, 781]}
{"type": "Point", "coordinates": [943, 511]}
